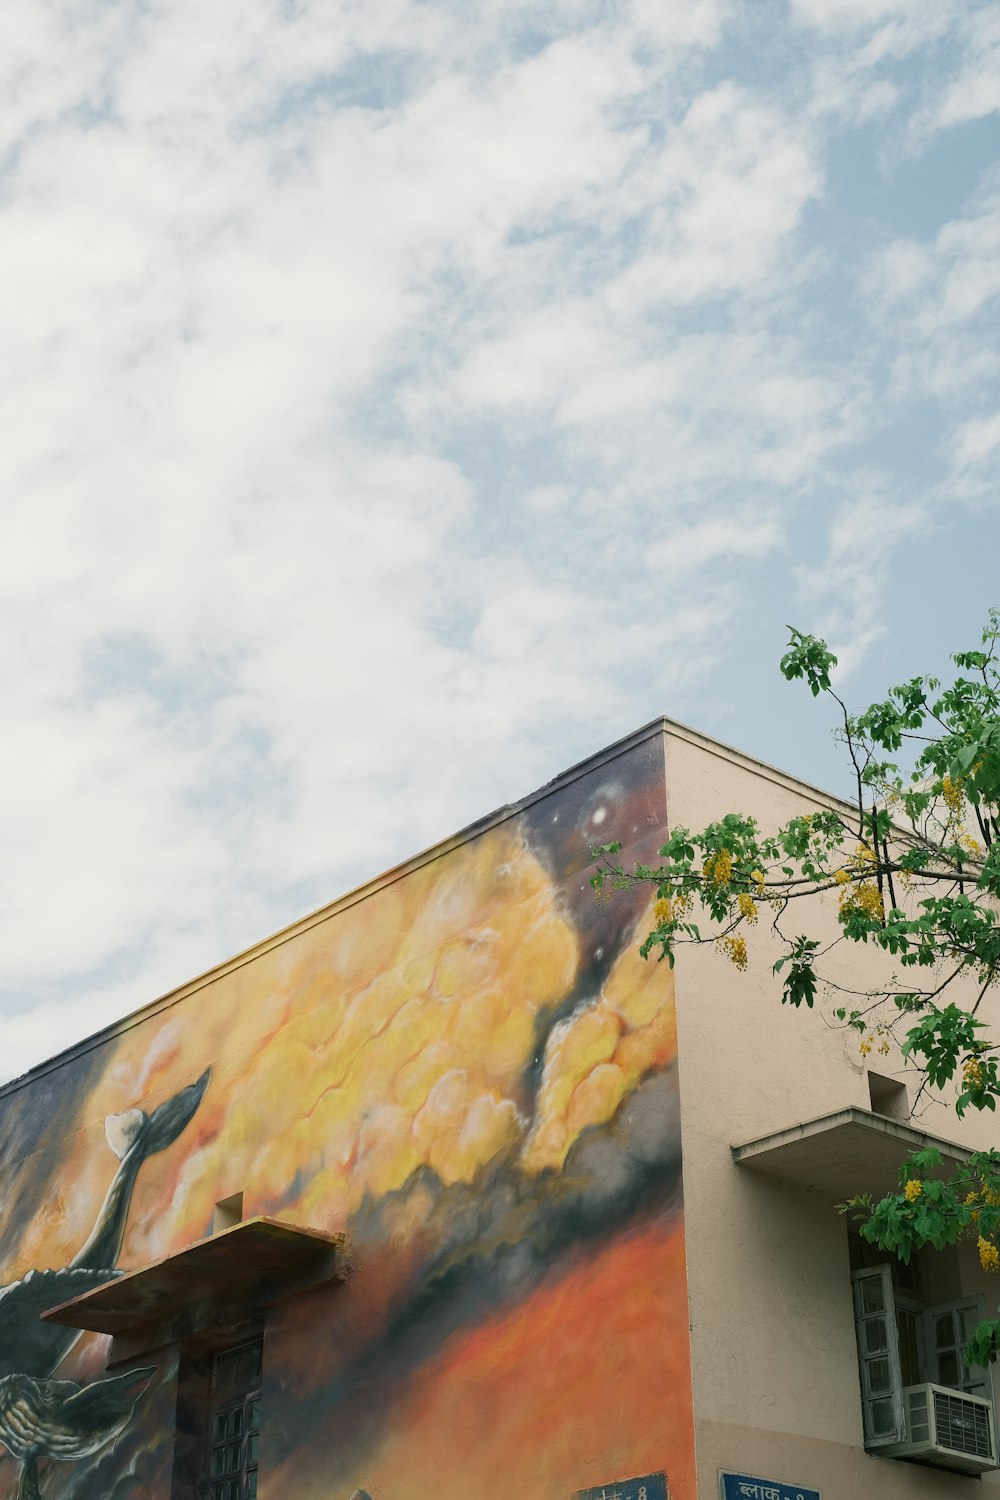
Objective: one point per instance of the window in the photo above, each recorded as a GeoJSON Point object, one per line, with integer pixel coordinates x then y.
{"type": "Point", "coordinates": [904, 1342]}
{"type": "Point", "coordinates": [878, 1356]}
{"type": "Point", "coordinates": [234, 1428]}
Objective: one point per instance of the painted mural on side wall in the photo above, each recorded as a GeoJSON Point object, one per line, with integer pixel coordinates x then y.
{"type": "Point", "coordinates": [471, 1072]}
{"type": "Point", "coordinates": [63, 1420]}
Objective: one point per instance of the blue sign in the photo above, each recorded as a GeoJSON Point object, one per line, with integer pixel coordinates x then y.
{"type": "Point", "coordinates": [751, 1487]}
{"type": "Point", "coordinates": [646, 1487]}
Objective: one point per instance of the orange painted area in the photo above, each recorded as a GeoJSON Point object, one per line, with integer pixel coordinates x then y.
{"type": "Point", "coordinates": [586, 1381]}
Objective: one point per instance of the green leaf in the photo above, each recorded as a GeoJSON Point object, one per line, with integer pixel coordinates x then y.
{"type": "Point", "coordinates": [808, 657]}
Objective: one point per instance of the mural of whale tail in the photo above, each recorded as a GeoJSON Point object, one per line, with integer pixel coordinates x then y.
{"type": "Point", "coordinates": [144, 1134]}
{"type": "Point", "coordinates": [27, 1345]}
{"type": "Point", "coordinates": [32, 1347]}
{"type": "Point", "coordinates": [134, 1137]}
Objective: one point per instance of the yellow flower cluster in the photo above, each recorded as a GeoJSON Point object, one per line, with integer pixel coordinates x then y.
{"type": "Point", "coordinates": [989, 1196]}
{"type": "Point", "coordinates": [735, 950]}
{"type": "Point", "coordinates": [989, 1255]}
{"type": "Point", "coordinates": [747, 906]}
{"type": "Point", "coordinates": [841, 877]}
{"type": "Point", "coordinates": [878, 1034]}
{"type": "Point", "coordinates": [864, 855]}
{"type": "Point", "coordinates": [972, 1073]}
{"type": "Point", "coordinates": [952, 793]}
{"type": "Point", "coordinates": [718, 867]}
{"type": "Point", "coordinates": [970, 845]}
{"type": "Point", "coordinates": [913, 1189]}
{"type": "Point", "coordinates": [865, 897]}
{"type": "Point", "coordinates": [671, 908]}
{"type": "Point", "coordinates": [760, 881]}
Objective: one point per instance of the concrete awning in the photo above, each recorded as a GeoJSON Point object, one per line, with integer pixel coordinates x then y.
{"type": "Point", "coordinates": [264, 1255]}
{"type": "Point", "coordinates": [841, 1155]}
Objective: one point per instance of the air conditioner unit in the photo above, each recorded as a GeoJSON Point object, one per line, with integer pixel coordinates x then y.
{"type": "Point", "coordinates": [948, 1429]}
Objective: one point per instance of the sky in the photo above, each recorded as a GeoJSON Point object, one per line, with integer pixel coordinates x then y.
{"type": "Point", "coordinates": [402, 401]}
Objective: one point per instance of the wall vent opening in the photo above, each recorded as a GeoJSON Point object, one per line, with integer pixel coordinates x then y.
{"type": "Point", "coordinates": [888, 1097]}
{"type": "Point", "coordinates": [228, 1211]}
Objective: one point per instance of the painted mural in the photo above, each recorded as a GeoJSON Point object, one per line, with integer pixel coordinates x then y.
{"type": "Point", "coordinates": [63, 1420]}
{"type": "Point", "coordinates": [470, 1071]}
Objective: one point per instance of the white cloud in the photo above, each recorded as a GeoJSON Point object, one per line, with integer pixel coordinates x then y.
{"type": "Point", "coordinates": [889, 27]}
{"type": "Point", "coordinates": [844, 88]}
{"type": "Point", "coordinates": [935, 304]}
{"type": "Point", "coordinates": [681, 23]}
{"type": "Point", "coordinates": [846, 591]}
{"type": "Point", "coordinates": [973, 91]}
{"type": "Point", "coordinates": [978, 439]}
{"type": "Point", "coordinates": [688, 549]}
{"type": "Point", "coordinates": [959, 82]}
{"type": "Point", "coordinates": [723, 195]}
{"type": "Point", "coordinates": [391, 395]}
{"type": "Point", "coordinates": [687, 418]}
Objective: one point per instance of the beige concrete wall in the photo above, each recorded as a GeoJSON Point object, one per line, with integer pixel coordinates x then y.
{"type": "Point", "coordinates": [774, 1363]}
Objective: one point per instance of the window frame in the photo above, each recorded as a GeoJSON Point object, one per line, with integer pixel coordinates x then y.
{"type": "Point", "coordinates": [242, 1399]}
{"type": "Point", "coordinates": [973, 1384]}
{"type": "Point", "coordinates": [872, 1350]}
{"type": "Point", "coordinates": [874, 1286]}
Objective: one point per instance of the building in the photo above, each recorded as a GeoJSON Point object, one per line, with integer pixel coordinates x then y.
{"type": "Point", "coordinates": [443, 1191]}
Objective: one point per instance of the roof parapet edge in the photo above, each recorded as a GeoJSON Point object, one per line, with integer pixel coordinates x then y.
{"type": "Point", "coordinates": [329, 909]}
{"type": "Point", "coordinates": [660, 725]}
